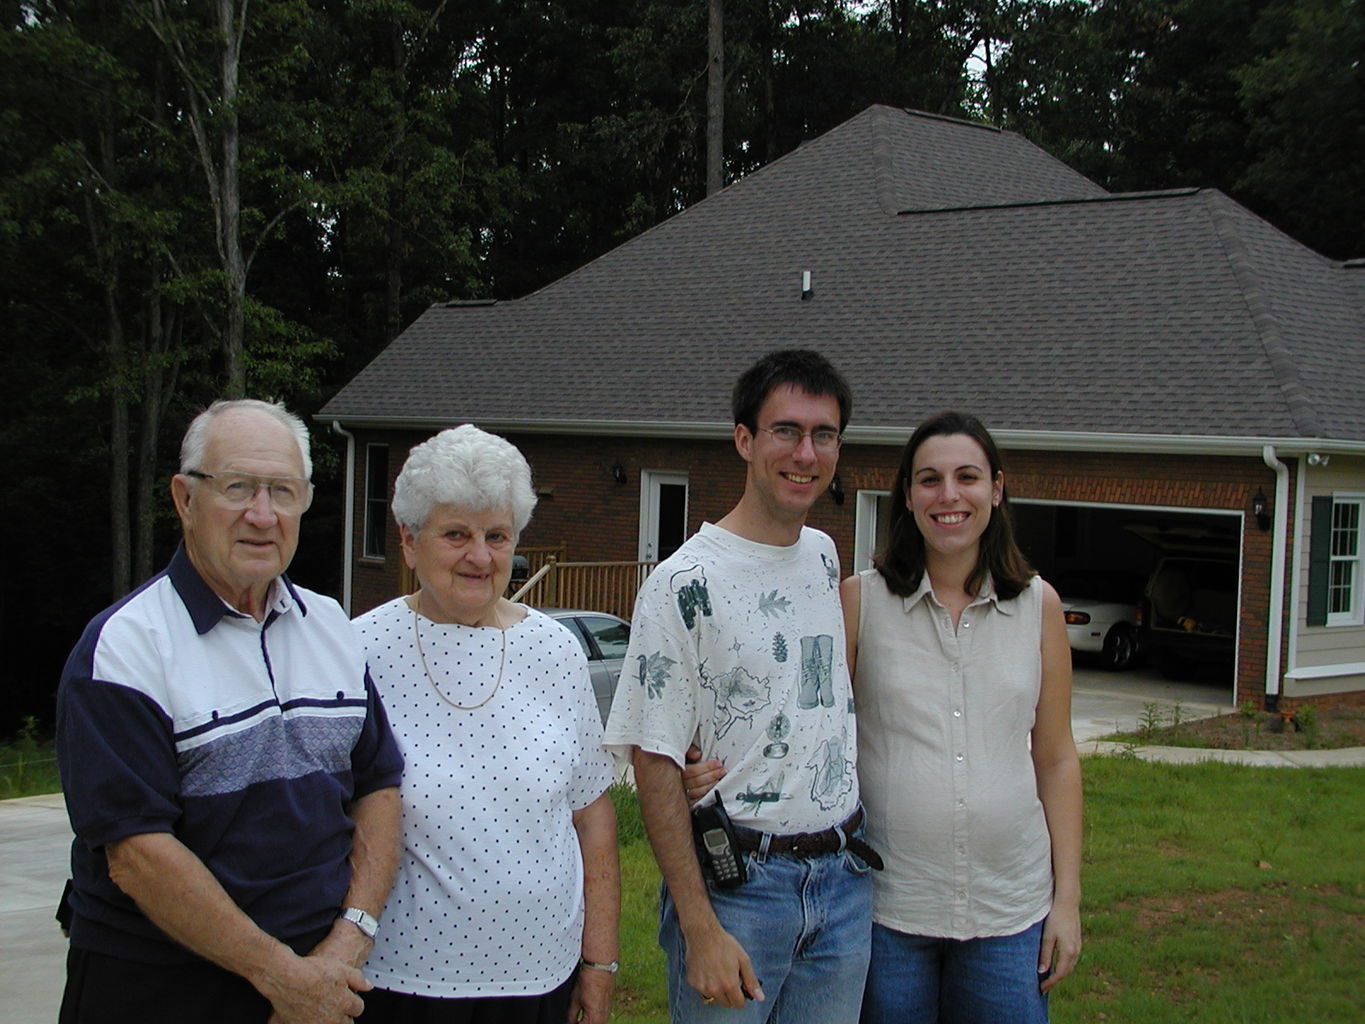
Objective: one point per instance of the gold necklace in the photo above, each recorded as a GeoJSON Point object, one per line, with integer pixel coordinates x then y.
{"type": "Point", "coordinates": [417, 632]}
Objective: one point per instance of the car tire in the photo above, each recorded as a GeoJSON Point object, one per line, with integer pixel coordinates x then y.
{"type": "Point", "coordinates": [1120, 648]}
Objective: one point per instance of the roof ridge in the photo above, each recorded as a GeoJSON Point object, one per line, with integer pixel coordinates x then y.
{"type": "Point", "coordinates": [983, 125]}
{"type": "Point", "coordinates": [1263, 315]}
{"type": "Point", "coordinates": [884, 161]}
{"type": "Point", "coordinates": [1108, 197]}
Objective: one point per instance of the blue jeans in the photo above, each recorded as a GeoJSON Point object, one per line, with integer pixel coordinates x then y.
{"type": "Point", "coordinates": [914, 979]}
{"type": "Point", "coordinates": [805, 923]}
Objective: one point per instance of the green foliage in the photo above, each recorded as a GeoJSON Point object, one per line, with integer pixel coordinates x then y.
{"type": "Point", "coordinates": [1306, 718]}
{"type": "Point", "coordinates": [28, 763]}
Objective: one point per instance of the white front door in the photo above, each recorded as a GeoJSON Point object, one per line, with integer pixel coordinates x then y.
{"type": "Point", "coordinates": [871, 527]}
{"type": "Point", "coordinates": [663, 513]}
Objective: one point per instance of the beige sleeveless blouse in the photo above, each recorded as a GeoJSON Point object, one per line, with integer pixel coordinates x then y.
{"type": "Point", "coordinates": [944, 719]}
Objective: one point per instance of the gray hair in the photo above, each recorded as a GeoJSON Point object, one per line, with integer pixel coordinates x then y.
{"type": "Point", "coordinates": [468, 468]}
{"type": "Point", "coordinates": [196, 440]}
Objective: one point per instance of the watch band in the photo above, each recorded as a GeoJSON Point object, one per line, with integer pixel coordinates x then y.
{"type": "Point", "coordinates": [610, 968]}
{"type": "Point", "coordinates": [366, 922]}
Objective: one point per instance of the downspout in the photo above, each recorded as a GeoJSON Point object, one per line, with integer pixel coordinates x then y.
{"type": "Point", "coordinates": [348, 543]}
{"type": "Point", "coordinates": [1280, 531]}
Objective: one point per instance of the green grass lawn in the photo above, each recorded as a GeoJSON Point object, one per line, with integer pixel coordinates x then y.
{"type": "Point", "coordinates": [1213, 893]}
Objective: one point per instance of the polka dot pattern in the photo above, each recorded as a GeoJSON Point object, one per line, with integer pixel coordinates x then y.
{"type": "Point", "coordinates": [489, 894]}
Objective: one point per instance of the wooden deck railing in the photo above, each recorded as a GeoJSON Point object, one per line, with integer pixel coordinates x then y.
{"type": "Point", "coordinates": [596, 586]}
{"type": "Point", "coordinates": [555, 583]}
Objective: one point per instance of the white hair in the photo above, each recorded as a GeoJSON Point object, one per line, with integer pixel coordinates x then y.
{"type": "Point", "coordinates": [196, 440]}
{"type": "Point", "coordinates": [468, 468]}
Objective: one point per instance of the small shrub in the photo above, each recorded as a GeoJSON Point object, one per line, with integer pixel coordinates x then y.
{"type": "Point", "coordinates": [1307, 718]}
{"type": "Point", "coordinates": [1151, 719]}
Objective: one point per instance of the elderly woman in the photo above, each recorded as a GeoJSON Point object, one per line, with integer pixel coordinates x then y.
{"type": "Point", "coordinates": [506, 904]}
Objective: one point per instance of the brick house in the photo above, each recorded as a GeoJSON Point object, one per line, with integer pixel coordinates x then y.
{"type": "Point", "coordinates": [1156, 365]}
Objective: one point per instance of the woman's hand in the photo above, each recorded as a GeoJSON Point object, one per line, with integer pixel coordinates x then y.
{"type": "Point", "coordinates": [591, 999]}
{"type": "Point", "coordinates": [700, 777]}
{"type": "Point", "coordinates": [1061, 947]}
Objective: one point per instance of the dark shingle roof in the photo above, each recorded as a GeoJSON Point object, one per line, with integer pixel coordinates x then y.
{"type": "Point", "coordinates": [953, 265]}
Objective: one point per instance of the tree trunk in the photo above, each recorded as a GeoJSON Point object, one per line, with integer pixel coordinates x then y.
{"type": "Point", "coordinates": [715, 97]}
{"type": "Point", "coordinates": [234, 264]}
{"type": "Point", "coordinates": [158, 382]}
{"type": "Point", "coordinates": [394, 232]}
{"type": "Point", "coordinates": [104, 246]}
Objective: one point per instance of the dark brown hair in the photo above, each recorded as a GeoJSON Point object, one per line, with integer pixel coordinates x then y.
{"type": "Point", "coordinates": [901, 563]}
{"type": "Point", "coordinates": [801, 369]}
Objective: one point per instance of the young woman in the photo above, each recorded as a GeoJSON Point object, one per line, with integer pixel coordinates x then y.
{"type": "Point", "coordinates": [969, 772]}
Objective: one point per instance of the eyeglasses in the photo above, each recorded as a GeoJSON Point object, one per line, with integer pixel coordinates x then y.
{"type": "Point", "coordinates": [789, 437]}
{"type": "Point", "coordinates": [237, 491]}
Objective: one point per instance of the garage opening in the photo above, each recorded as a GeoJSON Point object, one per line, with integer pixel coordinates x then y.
{"type": "Point", "coordinates": [1145, 588]}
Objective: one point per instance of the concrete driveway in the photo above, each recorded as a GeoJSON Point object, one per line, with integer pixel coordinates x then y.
{"type": "Point", "coordinates": [35, 841]}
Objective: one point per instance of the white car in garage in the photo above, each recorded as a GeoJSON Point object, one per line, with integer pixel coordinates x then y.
{"type": "Point", "coordinates": [1103, 611]}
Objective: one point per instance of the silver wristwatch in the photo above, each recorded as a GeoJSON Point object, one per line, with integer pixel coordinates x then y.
{"type": "Point", "coordinates": [367, 924]}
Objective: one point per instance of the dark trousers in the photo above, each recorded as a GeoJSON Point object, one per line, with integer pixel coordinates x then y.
{"type": "Point", "coordinates": [103, 989]}
{"type": "Point", "coordinates": [383, 1007]}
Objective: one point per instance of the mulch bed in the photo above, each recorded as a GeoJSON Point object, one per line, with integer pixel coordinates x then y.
{"type": "Point", "coordinates": [1311, 729]}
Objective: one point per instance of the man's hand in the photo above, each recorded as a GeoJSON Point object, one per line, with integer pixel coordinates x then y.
{"type": "Point", "coordinates": [719, 969]}
{"type": "Point", "coordinates": [700, 777]}
{"type": "Point", "coordinates": [313, 990]}
{"type": "Point", "coordinates": [591, 999]}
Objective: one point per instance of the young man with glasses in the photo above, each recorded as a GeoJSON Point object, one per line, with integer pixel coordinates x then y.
{"type": "Point", "coordinates": [228, 769]}
{"type": "Point", "coordinates": [737, 646]}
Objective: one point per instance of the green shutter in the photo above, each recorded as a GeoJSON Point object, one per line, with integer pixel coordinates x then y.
{"type": "Point", "coordinates": [1319, 561]}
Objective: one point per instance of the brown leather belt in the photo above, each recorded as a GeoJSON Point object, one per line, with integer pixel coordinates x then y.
{"type": "Point", "coordinates": [814, 844]}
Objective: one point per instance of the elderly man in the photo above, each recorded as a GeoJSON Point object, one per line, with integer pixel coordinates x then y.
{"type": "Point", "coordinates": [228, 769]}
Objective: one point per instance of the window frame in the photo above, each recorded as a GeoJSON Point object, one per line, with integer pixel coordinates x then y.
{"type": "Point", "coordinates": [375, 506]}
{"type": "Point", "coordinates": [1354, 563]}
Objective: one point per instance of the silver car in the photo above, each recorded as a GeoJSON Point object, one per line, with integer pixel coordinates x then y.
{"type": "Point", "coordinates": [604, 638]}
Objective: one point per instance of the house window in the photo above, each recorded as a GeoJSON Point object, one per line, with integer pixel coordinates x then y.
{"type": "Point", "coordinates": [1336, 564]}
{"type": "Point", "coordinates": [376, 500]}
{"type": "Point", "coordinates": [1344, 604]}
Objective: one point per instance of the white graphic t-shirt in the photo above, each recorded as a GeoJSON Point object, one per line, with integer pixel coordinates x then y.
{"type": "Point", "coordinates": [739, 647]}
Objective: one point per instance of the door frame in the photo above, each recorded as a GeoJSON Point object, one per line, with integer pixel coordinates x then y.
{"type": "Point", "coordinates": [650, 480]}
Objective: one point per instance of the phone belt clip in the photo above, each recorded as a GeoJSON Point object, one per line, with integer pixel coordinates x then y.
{"type": "Point", "coordinates": [814, 844]}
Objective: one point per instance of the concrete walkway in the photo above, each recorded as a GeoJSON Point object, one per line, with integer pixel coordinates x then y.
{"type": "Point", "coordinates": [35, 843]}
{"type": "Point", "coordinates": [35, 838]}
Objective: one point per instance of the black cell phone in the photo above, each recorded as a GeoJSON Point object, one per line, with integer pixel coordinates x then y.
{"type": "Point", "coordinates": [717, 848]}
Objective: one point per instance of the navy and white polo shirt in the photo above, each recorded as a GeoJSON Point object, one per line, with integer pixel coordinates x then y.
{"type": "Point", "coordinates": [247, 740]}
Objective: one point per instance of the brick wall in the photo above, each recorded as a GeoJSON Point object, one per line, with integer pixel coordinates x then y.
{"type": "Point", "coordinates": [597, 519]}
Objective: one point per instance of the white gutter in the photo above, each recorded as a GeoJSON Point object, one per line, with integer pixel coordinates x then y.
{"type": "Point", "coordinates": [1279, 533]}
{"type": "Point", "coordinates": [348, 543]}
{"type": "Point", "coordinates": [1039, 440]}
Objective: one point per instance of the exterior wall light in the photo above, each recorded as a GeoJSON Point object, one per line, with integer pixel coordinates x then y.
{"type": "Point", "coordinates": [1260, 508]}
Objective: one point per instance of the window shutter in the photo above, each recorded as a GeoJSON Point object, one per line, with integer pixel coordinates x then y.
{"type": "Point", "coordinates": [1319, 560]}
